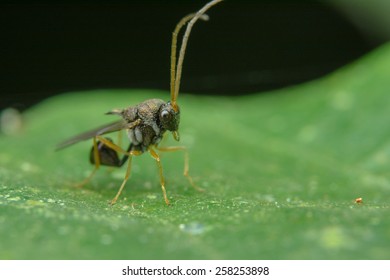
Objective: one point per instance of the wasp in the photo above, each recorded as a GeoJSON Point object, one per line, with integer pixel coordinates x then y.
{"type": "Point", "coordinates": [145, 123]}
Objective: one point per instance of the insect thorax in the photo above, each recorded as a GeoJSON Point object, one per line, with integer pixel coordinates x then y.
{"type": "Point", "coordinates": [150, 130]}
{"type": "Point", "coordinates": [142, 136]}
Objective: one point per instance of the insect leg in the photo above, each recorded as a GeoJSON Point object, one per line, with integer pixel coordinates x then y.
{"type": "Point", "coordinates": [120, 138]}
{"type": "Point", "coordinates": [112, 145]}
{"type": "Point", "coordinates": [128, 156]}
{"type": "Point", "coordinates": [97, 164]}
{"type": "Point", "coordinates": [186, 163]}
{"type": "Point", "coordinates": [162, 180]}
{"type": "Point", "coordinates": [128, 171]}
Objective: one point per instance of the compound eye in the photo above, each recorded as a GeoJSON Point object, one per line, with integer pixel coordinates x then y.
{"type": "Point", "coordinates": [164, 114]}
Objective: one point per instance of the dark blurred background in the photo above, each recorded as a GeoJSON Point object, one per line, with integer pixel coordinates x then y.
{"type": "Point", "coordinates": [50, 47]}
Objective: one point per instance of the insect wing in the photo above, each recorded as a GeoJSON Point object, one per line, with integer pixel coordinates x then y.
{"type": "Point", "coordinates": [112, 127]}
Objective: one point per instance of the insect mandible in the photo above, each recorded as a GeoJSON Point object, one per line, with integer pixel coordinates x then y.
{"type": "Point", "coordinates": [145, 123]}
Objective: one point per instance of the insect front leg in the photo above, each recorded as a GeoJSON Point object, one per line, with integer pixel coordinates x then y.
{"type": "Point", "coordinates": [186, 163]}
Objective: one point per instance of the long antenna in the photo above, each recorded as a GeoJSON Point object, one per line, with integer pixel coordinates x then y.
{"type": "Point", "coordinates": [175, 77]}
{"type": "Point", "coordinates": [181, 23]}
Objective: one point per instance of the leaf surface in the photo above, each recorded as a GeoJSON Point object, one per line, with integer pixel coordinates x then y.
{"type": "Point", "coordinates": [281, 172]}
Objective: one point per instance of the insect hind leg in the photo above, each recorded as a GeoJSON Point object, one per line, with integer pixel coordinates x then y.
{"type": "Point", "coordinates": [95, 159]}
{"type": "Point", "coordinates": [105, 155]}
{"type": "Point", "coordinates": [128, 154]}
{"type": "Point", "coordinates": [108, 156]}
{"type": "Point", "coordinates": [102, 154]}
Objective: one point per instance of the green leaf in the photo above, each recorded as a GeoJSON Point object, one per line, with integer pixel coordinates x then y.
{"type": "Point", "coordinates": [281, 171]}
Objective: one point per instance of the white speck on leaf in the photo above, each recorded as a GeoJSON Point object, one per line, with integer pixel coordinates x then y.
{"type": "Point", "coordinates": [193, 228]}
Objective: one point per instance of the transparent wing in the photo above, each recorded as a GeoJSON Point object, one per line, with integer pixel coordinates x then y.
{"type": "Point", "coordinates": [112, 127]}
